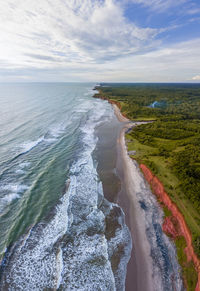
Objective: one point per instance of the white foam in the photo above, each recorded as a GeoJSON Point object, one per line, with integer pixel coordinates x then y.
{"type": "Point", "coordinates": [10, 197]}
{"type": "Point", "coordinates": [11, 192]}
{"type": "Point", "coordinates": [46, 260]}
{"type": "Point", "coordinates": [56, 131]}
{"type": "Point", "coordinates": [59, 267]}
{"type": "Point", "coordinates": [27, 146]}
{"type": "Point", "coordinates": [53, 134]}
{"type": "Point", "coordinates": [6, 200]}
{"type": "Point", "coordinates": [50, 140]}
{"type": "Point", "coordinates": [22, 167]}
{"type": "Point", "coordinates": [14, 188]}
{"type": "Point", "coordinates": [89, 92]}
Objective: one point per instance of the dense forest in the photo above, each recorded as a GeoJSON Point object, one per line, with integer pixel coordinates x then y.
{"type": "Point", "coordinates": [170, 143]}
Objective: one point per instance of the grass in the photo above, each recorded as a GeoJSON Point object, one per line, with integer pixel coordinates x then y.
{"type": "Point", "coordinates": [166, 211]}
{"type": "Point", "coordinates": [188, 270]}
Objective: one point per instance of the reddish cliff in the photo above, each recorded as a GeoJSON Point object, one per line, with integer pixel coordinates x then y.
{"type": "Point", "coordinates": [175, 225]}
{"type": "Point", "coordinates": [171, 227]}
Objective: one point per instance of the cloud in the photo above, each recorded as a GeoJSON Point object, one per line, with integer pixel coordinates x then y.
{"type": "Point", "coordinates": [196, 78]}
{"type": "Point", "coordinates": [175, 63]}
{"type": "Point", "coordinates": [46, 33]}
{"type": "Point", "coordinates": [58, 40]}
{"type": "Point", "coordinates": [43, 57]}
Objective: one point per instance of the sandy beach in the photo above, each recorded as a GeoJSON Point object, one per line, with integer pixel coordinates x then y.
{"type": "Point", "coordinates": [120, 177]}
{"type": "Point", "coordinates": [153, 264]}
{"type": "Point", "coordinates": [139, 270]}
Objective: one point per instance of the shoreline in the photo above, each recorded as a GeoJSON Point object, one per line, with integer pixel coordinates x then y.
{"type": "Point", "coordinates": [140, 263]}
{"type": "Point", "coordinates": [113, 166]}
{"type": "Point", "coordinates": [170, 223]}
{"type": "Point", "coordinates": [174, 225]}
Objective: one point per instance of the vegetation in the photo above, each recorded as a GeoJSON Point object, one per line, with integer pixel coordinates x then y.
{"type": "Point", "coordinates": [169, 145]}
{"type": "Point", "coordinates": [190, 277]}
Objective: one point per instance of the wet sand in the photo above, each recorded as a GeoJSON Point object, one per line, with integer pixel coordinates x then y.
{"type": "Point", "coordinates": [116, 173]}
{"type": "Point", "coordinates": [139, 270]}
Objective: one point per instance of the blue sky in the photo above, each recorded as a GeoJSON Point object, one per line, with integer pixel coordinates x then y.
{"type": "Point", "coordinates": [100, 40]}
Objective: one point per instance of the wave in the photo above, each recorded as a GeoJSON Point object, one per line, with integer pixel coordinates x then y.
{"type": "Point", "coordinates": [9, 198]}
{"type": "Point", "coordinates": [56, 131]}
{"type": "Point", "coordinates": [76, 249]}
{"type": "Point", "coordinates": [22, 167]}
{"type": "Point", "coordinates": [29, 145]}
{"type": "Point", "coordinates": [89, 92]}
{"type": "Point", "coordinates": [10, 192]}
{"type": "Point", "coordinates": [14, 188]}
{"type": "Point", "coordinates": [51, 136]}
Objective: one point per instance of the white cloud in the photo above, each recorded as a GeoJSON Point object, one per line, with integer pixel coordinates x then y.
{"type": "Point", "coordinates": [48, 33]}
{"type": "Point", "coordinates": [196, 78]}
{"type": "Point", "coordinates": [57, 40]}
{"type": "Point", "coordinates": [175, 63]}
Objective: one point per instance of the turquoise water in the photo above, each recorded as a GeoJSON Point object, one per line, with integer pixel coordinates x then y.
{"type": "Point", "coordinates": [52, 211]}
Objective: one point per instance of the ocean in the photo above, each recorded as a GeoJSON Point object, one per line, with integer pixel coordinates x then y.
{"type": "Point", "coordinates": [53, 216]}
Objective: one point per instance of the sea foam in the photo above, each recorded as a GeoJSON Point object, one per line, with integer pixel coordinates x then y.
{"type": "Point", "coordinates": [73, 251]}
{"type": "Point", "coordinates": [29, 145]}
{"type": "Point", "coordinates": [9, 193]}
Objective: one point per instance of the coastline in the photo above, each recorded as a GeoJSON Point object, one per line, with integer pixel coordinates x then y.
{"type": "Point", "coordinates": [117, 180]}
{"type": "Point", "coordinates": [173, 225]}
{"type": "Point", "coordinates": [140, 263]}
{"type": "Point", "coordinates": [169, 224]}
{"type": "Point", "coordinates": [180, 237]}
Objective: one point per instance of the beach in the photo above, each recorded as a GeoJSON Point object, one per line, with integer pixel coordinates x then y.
{"type": "Point", "coordinates": [116, 169]}
{"type": "Point", "coordinates": [124, 184]}
{"type": "Point", "coordinates": [140, 263]}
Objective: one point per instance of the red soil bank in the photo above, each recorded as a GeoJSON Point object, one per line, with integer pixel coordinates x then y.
{"type": "Point", "coordinates": [175, 225]}
{"type": "Point", "coordinates": [171, 227]}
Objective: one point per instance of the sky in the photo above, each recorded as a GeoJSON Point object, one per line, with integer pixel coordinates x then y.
{"type": "Point", "coordinates": [100, 41]}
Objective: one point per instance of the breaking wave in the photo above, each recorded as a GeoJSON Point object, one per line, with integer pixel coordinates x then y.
{"type": "Point", "coordinates": [85, 244]}
{"type": "Point", "coordinates": [27, 146]}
